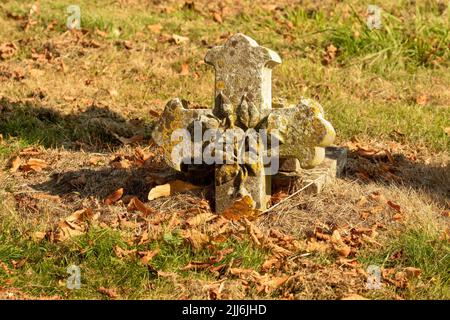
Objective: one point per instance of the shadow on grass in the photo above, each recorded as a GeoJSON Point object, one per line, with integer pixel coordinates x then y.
{"type": "Point", "coordinates": [93, 129]}
{"type": "Point", "coordinates": [97, 128]}
{"type": "Point", "coordinates": [431, 179]}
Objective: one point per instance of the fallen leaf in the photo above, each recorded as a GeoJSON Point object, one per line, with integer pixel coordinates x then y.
{"type": "Point", "coordinates": [270, 263]}
{"type": "Point", "coordinates": [343, 251]}
{"type": "Point", "coordinates": [125, 141]}
{"type": "Point", "coordinates": [422, 99]}
{"type": "Point", "coordinates": [196, 238]}
{"type": "Point", "coordinates": [394, 206]}
{"type": "Point", "coordinates": [272, 283]}
{"type": "Point", "coordinates": [121, 253]}
{"type": "Point", "coordinates": [154, 113]}
{"type": "Point", "coordinates": [170, 188]}
{"type": "Point", "coordinates": [121, 164]}
{"type": "Point", "coordinates": [114, 197]}
{"type": "Point", "coordinates": [136, 204]}
{"type": "Point", "coordinates": [34, 165]}
{"type": "Point", "coordinates": [412, 272]}
{"type": "Point", "coordinates": [179, 39]}
{"type": "Point", "coordinates": [217, 17]}
{"type": "Point", "coordinates": [18, 263]}
{"type": "Point", "coordinates": [201, 218]}
{"type": "Point", "coordinates": [128, 45]}
{"type": "Point", "coordinates": [38, 236]}
{"type": "Point", "coordinates": [46, 196]}
{"type": "Point", "coordinates": [101, 33]}
{"type": "Point", "coordinates": [184, 69]}
{"type": "Point", "coordinates": [7, 50]}
{"type": "Point", "coordinates": [146, 256]}
{"type": "Point", "coordinates": [196, 266]}
{"type": "Point", "coordinates": [111, 293]}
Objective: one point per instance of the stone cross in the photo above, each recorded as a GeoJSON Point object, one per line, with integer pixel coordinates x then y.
{"type": "Point", "coordinates": [243, 99]}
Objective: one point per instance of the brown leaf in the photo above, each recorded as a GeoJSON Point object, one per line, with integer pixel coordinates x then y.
{"type": "Point", "coordinates": [245, 274]}
{"type": "Point", "coordinates": [101, 33]}
{"type": "Point", "coordinates": [170, 188]}
{"type": "Point", "coordinates": [196, 238]}
{"type": "Point", "coordinates": [146, 256]}
{"type": "Point", "coordinates": [343, 251]}
{"type": "Point", "coordinates": [217, 17]}
{"type": "Point", "coordinates": [114, 197]}
{"type": "Point", "coordinates": [184, 69]}
{"type": "Point", "coordinates": [121, 164]}
{"type": "Point", "coordinates": [196, 266]}
{"type": "Point", "coordinates": [18, 263]}
{"type": "Point", "coordinates": [201, 218]}
{"type": "Point", "coordinates": [136, 204]}
{"type": "Point", "coordinates": [272, 283]}
{"type": "Point", "coordinates": [128, 45]}
{"type": "Point", "coordinates": [7, 50]}
{"type": "Point", "coordinates": [154, 113]}
{"type": "Point", "coordinates": [412, 272]}
{"type": "Point", "coordinates": [178, 39]}
{"type": "Point", "coordinates": [111, 293]}
{"type": "Point", "coordinates": [73, 225]}
{"type": "Point", "coordinates": [394, 206]}
{"type": "Point", "coordinates": [125, 141]}
{"type": "Point", "coordinates": [270, 263]}
{"type": "Point", "coordinates": [422, 99]}
{"type": "Point", "coordinates": [34, 165]}
{"type": "Point", "coordinates": [376, 196]}
{"type": "Point", "coordinates": [46, 196]}
{"type": "Point", "coordinates": [95, 160]}
{"type": "Point", "coordinates": [38, 236]}
{"type": "Point", "coordinates": [121, 253]}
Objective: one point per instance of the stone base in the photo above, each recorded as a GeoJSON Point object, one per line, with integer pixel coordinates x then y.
{"type": "Point", "coordinates": [332, 167]}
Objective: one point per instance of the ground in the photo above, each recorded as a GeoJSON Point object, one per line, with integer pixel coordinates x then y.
{"type": "Point", "coordinates": [77, 111]}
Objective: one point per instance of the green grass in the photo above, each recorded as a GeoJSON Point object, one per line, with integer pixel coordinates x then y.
{"type": "Point", "coordinates": [45, 270]}
{"type": "Point", "coordinates": [421, 247]}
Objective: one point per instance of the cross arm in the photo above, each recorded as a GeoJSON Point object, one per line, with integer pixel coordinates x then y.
{"type": "Point", "coordinates": [303, 132]}
{"type": "Point", "coordinates": [174, 117]}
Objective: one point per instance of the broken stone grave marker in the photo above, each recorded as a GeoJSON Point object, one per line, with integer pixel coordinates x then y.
{"type": "Point", "coordinates": [243, 103]}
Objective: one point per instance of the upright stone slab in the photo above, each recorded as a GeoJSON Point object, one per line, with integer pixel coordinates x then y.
{"type": "Point", "coordinates": [243, 99]}
{"type": "Point", "coordinates": [242, 69]}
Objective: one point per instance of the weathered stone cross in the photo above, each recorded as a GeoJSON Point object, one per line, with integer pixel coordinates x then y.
{"type": "Point", "coordinates": [243, 99]}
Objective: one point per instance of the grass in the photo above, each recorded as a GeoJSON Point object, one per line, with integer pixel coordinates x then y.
{"type": "Point", "coordinates": [420, 247]}
{"type": "Point", "coordinates": [387, 85]}
{"type": "Point", "coordinates": [45, 270]}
